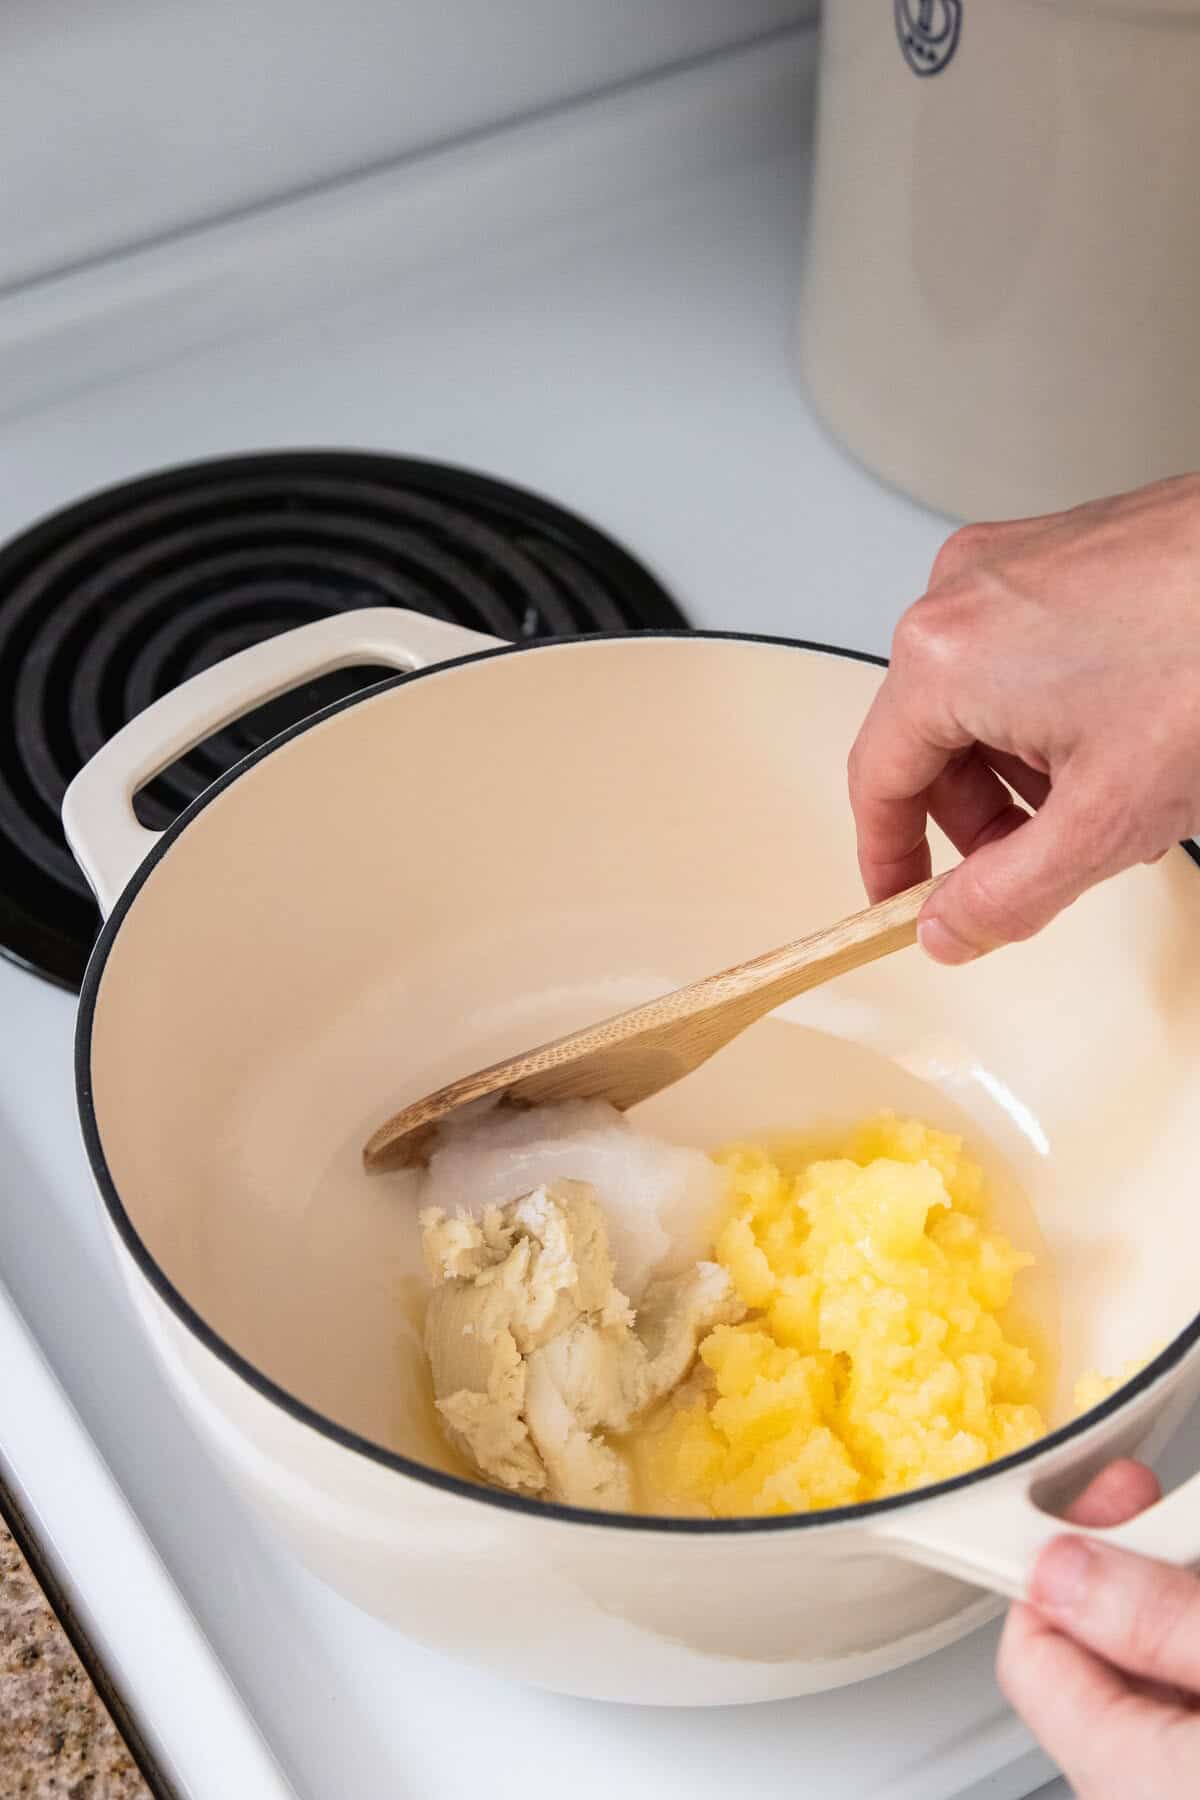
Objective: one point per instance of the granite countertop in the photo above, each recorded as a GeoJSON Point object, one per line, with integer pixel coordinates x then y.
{"type": "Point", "coordinates": [57, 1740]}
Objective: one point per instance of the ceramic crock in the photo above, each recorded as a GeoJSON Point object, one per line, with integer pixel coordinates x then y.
{"type": "Point", "coordinates": [1003, 275]}
{"type": "Point", "coordinates": [501, 844]}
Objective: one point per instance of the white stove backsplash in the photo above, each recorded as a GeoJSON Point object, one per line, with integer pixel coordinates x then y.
{"type": "Point", "coordinates": [129, 120]}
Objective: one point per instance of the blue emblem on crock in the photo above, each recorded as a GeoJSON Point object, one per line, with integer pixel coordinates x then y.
{"type": "Point", "coordinates": [928, 32]}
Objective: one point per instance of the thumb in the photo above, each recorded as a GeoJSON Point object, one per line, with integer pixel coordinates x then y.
{"type": "Point", "coordinates": [1010, 888]}
{"type": "Point", "coordinates": [1139, 1615]}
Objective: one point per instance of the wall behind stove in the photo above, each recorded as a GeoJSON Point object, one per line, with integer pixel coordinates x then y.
{"type": "Point", "coordinates": [122, 120]}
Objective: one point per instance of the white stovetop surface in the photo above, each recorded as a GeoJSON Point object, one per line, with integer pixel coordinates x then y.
{"type": "Point", "coordinates": [636, 364]}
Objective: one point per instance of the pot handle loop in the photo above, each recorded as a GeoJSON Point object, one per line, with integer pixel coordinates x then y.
{"type": "Point", "coordinates": [991, 1534]}
{"type": "Point", "coordinates": [107, 840]}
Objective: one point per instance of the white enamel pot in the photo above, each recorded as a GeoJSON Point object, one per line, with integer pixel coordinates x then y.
{"type": "Point", "coordinates": [498, 845]}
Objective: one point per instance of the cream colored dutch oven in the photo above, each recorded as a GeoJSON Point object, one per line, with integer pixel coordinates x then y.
{"type": "Point", "coordinates": [500, 844]}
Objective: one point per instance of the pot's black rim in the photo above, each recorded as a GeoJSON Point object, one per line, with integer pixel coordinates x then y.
{"type": "Point", "coordinates": [328, 1428]}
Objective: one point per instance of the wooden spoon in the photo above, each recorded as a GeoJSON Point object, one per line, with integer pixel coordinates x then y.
{"type": "Point", "coordinates": [628, 1058]}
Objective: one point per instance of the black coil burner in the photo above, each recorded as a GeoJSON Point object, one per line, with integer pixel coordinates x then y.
{"type": "Point", "coordinates": [114, 601]}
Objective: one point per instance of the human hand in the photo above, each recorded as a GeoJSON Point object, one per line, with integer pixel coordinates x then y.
{"type": "Point", "coordinates": [1061, 654]}
{"type": "Point", "coordinates": [1104, 1664]}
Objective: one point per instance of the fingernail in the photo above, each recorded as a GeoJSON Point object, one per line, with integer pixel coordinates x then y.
{"type": "Point", "coordinates": [943, 945]}
{"type": "Point", "coordinates": [1061, 1578]}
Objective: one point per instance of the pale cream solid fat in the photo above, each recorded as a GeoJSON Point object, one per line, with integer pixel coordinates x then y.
{"type": "Point", "coordinates": [660, 1200]}
{"type": "Point", "coordinates": [536, 1353]}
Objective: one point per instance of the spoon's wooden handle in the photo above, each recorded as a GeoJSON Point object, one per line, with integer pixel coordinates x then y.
{"type": "Point", "coordinates": [771, 980]}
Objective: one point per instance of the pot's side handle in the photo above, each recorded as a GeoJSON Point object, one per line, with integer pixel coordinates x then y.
{"type": "Point", "coordinates": [992, 1532]}
{"type": "Point", "coordinates": [98, 817]}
